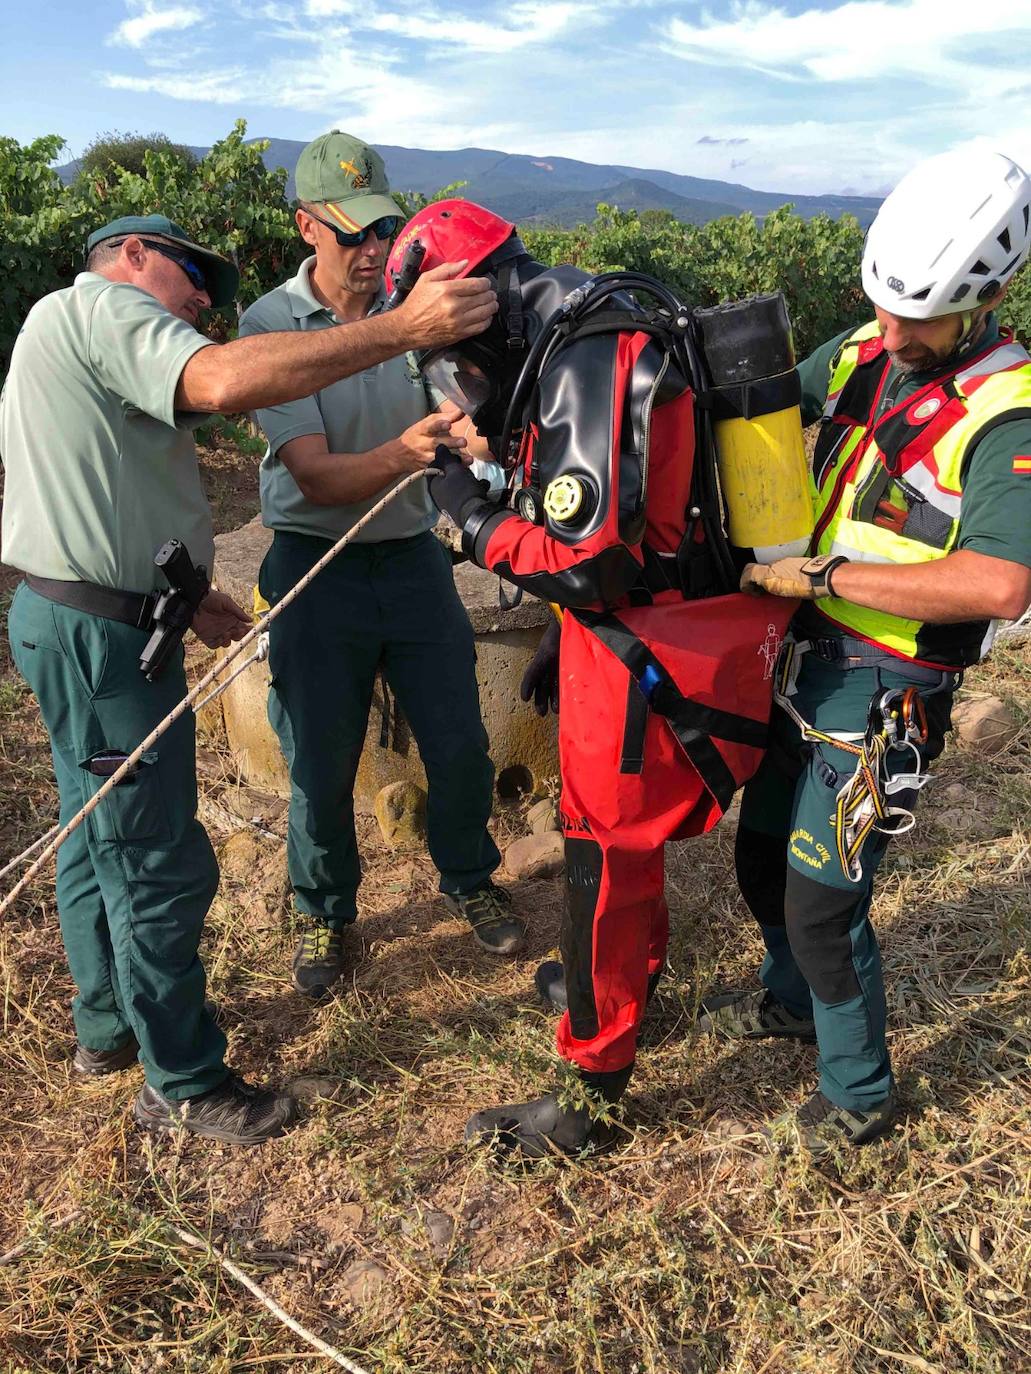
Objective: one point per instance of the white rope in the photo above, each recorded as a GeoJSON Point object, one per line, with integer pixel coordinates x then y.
{"type": "Point", "coordinates": [324, 1348]}
{"type": "Point", "coordinates": [259, 656]}
{"type": "Point", "coordinates": [28, 853]}
{"type": "Point", "coordinates": [258, 629]}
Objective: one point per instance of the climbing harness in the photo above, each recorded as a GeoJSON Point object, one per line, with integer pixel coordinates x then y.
{"type": "Point", "coordinates": [54, 838]}
{"type": "Point", "coordinates": [896, 724]}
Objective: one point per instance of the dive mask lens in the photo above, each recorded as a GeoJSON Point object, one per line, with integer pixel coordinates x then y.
{"type": "Point", "coordinates": [460, 379]}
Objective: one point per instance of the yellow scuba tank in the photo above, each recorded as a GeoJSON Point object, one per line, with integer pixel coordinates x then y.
{"type": "Point", "coordinates": [757, 426]}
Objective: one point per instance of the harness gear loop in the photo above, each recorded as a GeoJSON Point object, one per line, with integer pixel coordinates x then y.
{"type": "Point", "coordinates": [897, 722]}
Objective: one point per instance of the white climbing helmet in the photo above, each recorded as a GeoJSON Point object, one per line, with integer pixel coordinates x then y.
{"type": "Point", "coordinates": [953, 231]}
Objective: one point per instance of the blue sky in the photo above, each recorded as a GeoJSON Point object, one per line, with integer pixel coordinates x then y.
{"type": "Point", "coordinates": [824, 96]}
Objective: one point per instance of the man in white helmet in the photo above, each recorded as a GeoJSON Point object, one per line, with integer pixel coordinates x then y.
{"type": "Point", "coordinates": [922, 489]}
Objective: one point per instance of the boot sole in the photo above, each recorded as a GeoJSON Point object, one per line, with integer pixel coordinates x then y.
{"type": "Point", "coordinates": [85, 1070]}
{"type": "Point", "coordinates": [154, 1125]}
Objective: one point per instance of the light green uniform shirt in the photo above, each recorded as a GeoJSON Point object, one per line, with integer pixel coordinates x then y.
{"type": "Point", "coordinates": [355, 415]}
{"type": "Point", "coordinates": [101, 469]}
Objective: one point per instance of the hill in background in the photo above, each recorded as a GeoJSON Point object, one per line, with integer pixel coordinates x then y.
{"type": "Point", "coordinates": [562, 191]}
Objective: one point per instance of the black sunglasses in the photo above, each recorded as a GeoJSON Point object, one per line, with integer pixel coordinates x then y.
{"type": "Point", "coordinates": [183, 260]}
{"type": "Point", "coordinates": [384, 229]}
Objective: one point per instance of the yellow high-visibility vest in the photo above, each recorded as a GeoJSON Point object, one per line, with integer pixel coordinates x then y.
{"type": "Point", "coordinates": [892, 491]}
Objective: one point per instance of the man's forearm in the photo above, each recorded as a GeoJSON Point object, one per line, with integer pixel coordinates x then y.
{"type": "Point", "coordinates": [343, 479]}
{"type": "Point", "coordinates": [962, 586]}
{"type": "Point", "coordinates": [265, 370]}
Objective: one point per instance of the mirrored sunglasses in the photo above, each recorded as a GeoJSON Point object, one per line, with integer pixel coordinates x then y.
{"type": "Point", "coordinates": [384, 228]}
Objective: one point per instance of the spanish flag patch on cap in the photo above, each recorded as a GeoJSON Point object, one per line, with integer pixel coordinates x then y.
{"type": "Point", "coordinates": [1022, 462]}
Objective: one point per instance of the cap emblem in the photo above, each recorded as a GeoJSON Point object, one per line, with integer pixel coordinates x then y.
{"type": "Point", "coordinates": [362, 175]}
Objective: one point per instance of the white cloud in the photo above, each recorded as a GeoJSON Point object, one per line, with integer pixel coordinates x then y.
{"type": "Point", "coordinates": [942, 41]}
{"type": "Point", "coordinates": [141, 28]}
{"type": "Point", "coordinates": [526, 23]}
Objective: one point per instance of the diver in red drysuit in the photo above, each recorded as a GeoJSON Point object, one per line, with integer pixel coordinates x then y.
{"type": "Point", "coordinates": [665, 683]}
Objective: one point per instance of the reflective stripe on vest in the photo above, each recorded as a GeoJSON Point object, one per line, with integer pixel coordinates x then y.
{"type": "Point", "coordinates": [891, 491]}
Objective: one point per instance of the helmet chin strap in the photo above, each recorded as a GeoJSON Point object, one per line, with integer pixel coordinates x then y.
{"type": "Point", "coordinates": [969, 319]}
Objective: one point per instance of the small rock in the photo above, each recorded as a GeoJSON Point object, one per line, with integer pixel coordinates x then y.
{"type": "Point", "coordinates": [252, 804]}
{"type": "Point", "coordinates": [313, 1087]}
{"type": "Point", "coordinates": [964, 824]}
{"type": "Point", "coordinates": [542, 817]}
{"type": "Point", "coordinates": [729, 1128]}
{"type": "Point", "coordinates": [535, 856]}
{"type": "Point", "coordinates": [400, 809]}
{"type": "Point", "coordinates": [958, 795]}
{"type": "Point", "coordinates": [239, 855]}
{"type": "Point", "coordinates": [364, 1281]}
{"type": "Point", "coordinates": [988, 724]}
{"type": "Point", "coordinates": [439, 1228]}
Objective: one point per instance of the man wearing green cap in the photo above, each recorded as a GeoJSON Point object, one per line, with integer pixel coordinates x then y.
{"type": "Point", "coordinates": [388, 602]}
{"type": "Point", "coordinates": [107, 380]}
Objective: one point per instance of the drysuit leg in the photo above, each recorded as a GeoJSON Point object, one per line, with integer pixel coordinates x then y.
{"type": "Point", "coordinates": [612, 939]}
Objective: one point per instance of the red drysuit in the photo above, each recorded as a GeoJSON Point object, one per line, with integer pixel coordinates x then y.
{"type": "Point", "coordinates": [664, 700]}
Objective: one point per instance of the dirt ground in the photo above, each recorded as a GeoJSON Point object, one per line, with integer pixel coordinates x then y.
{"type": "Point", "coordinates": [695, 1248]}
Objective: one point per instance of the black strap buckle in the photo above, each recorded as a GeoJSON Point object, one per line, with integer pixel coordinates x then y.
{"type": "Point", "coordinates": [829, 649]}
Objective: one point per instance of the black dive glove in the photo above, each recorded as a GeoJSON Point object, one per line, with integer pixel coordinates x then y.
{"type": "Point", "coordinates": [540, 680]}
{"type": "Point", "coordinates": [456, 490]}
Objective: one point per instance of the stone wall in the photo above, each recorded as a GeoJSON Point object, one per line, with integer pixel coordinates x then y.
{"type": "Point", "coordinates": [523, 747]}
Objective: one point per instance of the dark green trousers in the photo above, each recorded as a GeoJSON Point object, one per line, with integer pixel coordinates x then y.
{"type": "Point", "coordinates": [389, 605]}
{"type": "Point", "coordinates": [135, 881]}
{"type": "Point", "coordinates": [822, 954]}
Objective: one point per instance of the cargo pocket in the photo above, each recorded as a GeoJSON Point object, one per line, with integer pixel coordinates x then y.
{"type": "Point", "coordinates": [134, 812]}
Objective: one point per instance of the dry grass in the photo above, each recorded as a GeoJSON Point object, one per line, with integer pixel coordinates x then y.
{"type": "Point", "coordinates": [694, 1249]}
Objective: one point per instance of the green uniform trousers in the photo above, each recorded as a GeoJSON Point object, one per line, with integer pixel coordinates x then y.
{"type": "Point", "coordinates": [390, 605]}
{"type": "Point", "coordinates": [822, 955]}
{"type": "Point", "coordinates": [135, 881]}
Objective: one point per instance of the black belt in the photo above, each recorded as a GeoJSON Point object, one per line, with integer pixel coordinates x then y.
{"type": "Point", "coordinates": [129, 608]}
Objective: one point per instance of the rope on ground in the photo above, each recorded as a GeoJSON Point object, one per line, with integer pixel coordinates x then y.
{"type": "Point", "coordinates": [330, 1351]}
{"type": "Point", "coordinates": [187, 702]}
{"type": "Point", "coordinates": [25, 1245]}
{"type": "Point", "coordinates": [28, 853]}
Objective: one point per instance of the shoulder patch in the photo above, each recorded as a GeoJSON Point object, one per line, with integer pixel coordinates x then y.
{"type": "Point", "coordinates": [1022, 463]}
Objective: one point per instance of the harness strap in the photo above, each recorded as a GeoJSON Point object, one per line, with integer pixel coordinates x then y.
{"type": "Point", "coordinates": [694, 725]}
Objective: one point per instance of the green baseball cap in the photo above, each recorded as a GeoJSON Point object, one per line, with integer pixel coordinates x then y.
{"type": "Point", "coordinates": [348, 178]}
{"type": "Point", "coordinates": [220, 274]}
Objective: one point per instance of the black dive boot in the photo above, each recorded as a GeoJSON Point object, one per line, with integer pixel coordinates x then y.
{"type": "Point", "coordinates": [535, 1130]}
{"type": "Point", "coordinates": [550, 982]}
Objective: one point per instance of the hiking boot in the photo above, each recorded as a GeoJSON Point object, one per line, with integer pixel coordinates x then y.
{"type": "Point", "coordinates": [550, 982]}
{"type": "Point", "coordinates": [752, 1016]}
{"type": "Point", "coordinates": [96, 1063]}
{"type": "Point", "coordinates": [234, 1112]}
{"type": "Point", "coordinates": [539, 1129]}
{"type": "Point", "coordinates": [821, 1125]}
{"type": "Point", "coordinates": [318, 961]}
{"type": "Point", "coordinates": [488, 911]}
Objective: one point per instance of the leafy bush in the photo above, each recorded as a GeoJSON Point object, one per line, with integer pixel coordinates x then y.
{"type": "Point", "coordinates": [232, 202]}
{"type": "Point", "coordinates": [111, 151]}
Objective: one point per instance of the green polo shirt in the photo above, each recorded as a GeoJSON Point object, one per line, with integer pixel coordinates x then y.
{"type": "Point", "coordinates": [355, 415]}
{"type": "Point", "coordinates": [101, 469]}
{"type": "Point", "coordinates": [995, 516]}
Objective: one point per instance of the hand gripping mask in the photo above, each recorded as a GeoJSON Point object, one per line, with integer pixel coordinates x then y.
{"type": "Point", "coordinates": [479, 374]}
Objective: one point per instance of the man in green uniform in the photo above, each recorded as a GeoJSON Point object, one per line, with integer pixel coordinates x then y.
{"type": "Point", "coordinates": [388, 602]}
{"type": "Point", "coordinates": [922, 484]}
{"type": "Point", "coordinates": [108, 379]}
